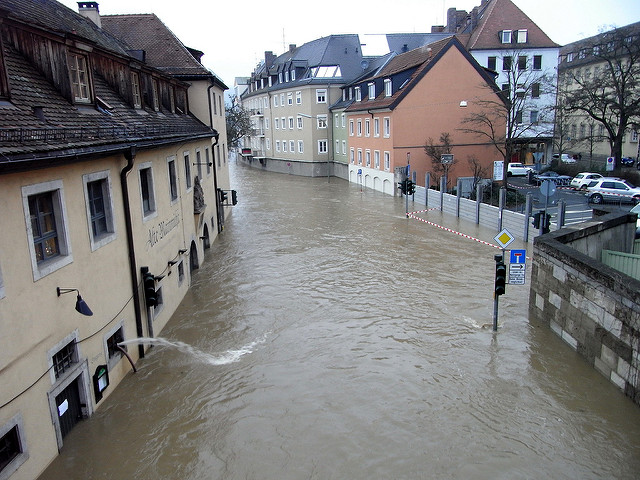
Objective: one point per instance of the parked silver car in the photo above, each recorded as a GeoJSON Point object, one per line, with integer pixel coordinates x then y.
{"type": "Point", "coordinates": [612, 189]}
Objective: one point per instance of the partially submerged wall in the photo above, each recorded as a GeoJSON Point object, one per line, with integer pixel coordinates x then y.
{"type": "Point", "coordinates": [592, 307]}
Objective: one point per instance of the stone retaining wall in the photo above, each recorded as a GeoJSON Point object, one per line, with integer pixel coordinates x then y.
{"type": "Point", "coordinates": [592, 307]}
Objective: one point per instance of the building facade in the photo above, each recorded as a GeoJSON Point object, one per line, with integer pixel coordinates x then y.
{"type": "Point", "coordinates": [411, 102]}
{"type": "Point", "coordinates": [105, 216]}
{"type": "Point", "coordinates": [607, 61]}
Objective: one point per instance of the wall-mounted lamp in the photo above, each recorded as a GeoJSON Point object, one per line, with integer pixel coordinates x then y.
{"type": "Point", "coordinates": [81, 305]}
{"type": "Point", "coordinates": [463, 103]}
{"type": "Point", "coordinates": [172, 263]}
{"type": "Point", "coordinates": [182, 251]}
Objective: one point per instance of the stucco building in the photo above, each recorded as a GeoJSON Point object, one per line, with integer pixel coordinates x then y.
{"type": "Point", "coordinates": [104, 175]}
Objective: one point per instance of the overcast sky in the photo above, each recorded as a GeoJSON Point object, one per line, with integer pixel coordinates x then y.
{"type": "Point", "coordinates": [234, 36]}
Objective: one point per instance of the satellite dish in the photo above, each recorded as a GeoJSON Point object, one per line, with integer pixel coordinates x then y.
{"type": "Point", "coordinates": [364, 64]}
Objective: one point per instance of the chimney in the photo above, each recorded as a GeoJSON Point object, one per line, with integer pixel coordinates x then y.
{"type": "Point", "coordinates": [292, 47]}
{"type": "Point", "coordinates": [90, 10]}
{"type": "Point", "coordinates": [269, 58]}
{"type": "Point", "coordinates": [437, 28]}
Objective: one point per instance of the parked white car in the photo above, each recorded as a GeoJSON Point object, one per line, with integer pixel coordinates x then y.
{"type": "Point", "coordinates": [583, 179]}
{"type": "Point", "coordinates": [612, 189]}
{"type": "Point", "coordinates": [565, 158]}
{"type": "Point", "coordinates": [517, 170]}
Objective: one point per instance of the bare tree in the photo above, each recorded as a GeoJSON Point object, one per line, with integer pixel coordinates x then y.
{"type": "Point", "coordinates": [435, 152]}
{"type": "Point", "coordinates": [610, 95]}
{"type": "Point", "coordinates": [238, 121]}
{"type": "Point", "coordinates": [519, 114]}
{"type": "Point", "coordinates": [478, 171]}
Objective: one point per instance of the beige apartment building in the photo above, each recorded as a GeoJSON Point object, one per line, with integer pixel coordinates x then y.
{"type": "Point", "coordinates": [110, 194]}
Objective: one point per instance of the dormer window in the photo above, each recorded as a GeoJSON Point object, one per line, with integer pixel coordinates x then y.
{"type": "Point", "coordinates": [505, 36]}
{"type": "Point", "coordinates": [387, 87]}
{"type": "Point", "coordinates": [522, 36]}
{"type": "Point", "coordinates": [79, 78]}
{"type": "Point", "coordinates": [293, 74]}
{"type": "Point", "coordinates": [286, 76]}
{"type": "Point", "coordinates": [372, 91]}
{"type": "Point", "coordinates": [280, 77]}
{"type": "Point", "coordinates": [358, 94]}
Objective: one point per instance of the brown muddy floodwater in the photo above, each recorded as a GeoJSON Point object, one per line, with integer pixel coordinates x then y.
{"type": "Point", "coordinates": [327, 336]}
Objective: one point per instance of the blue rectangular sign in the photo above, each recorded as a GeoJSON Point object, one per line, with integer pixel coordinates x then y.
{"type": "Point", "coordinates": [518, 256]}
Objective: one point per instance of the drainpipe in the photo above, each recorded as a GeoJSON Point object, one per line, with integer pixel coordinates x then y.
{"type": "Point", "coordinates": [213, 157]}
{"type": "Point", "coordinates": [130, 155]}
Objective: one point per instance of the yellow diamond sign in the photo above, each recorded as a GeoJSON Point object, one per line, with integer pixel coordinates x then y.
{"type": "Point", "coordinates": [504, 238]}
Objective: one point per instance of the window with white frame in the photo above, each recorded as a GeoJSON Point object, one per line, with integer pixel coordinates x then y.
{"type": "Point", "coordinates": [322, 121]}
{"type": "Point", "coordinates": [343, 120]}
{"type": "Point", "coordinates": [283, 123]}
{"type": "Point", "coordinates": [267, 142]}
{"type": "Point", "coordinates": [300, 123]}
{"type": "Point", "coordinates": [275, 100]}
{"type": "Point", "coordinates": [135, 85]}
{"type": "Point", "coordinates": [173, 179]}
{"type": "Point", "coordinates": [187, 171]}
{"type": "Point", "coordinates": [147, 193]}
{"type": "Point", "coordinates": [293, 74]}
{"type": "Point", "coordinates": [634, 136]}
{"type": "Point", "coordinates": [359, 156]}
{"type": "Point", "coordinates": [359, 123]}
{"type": "Point", "coordinates": [266, 123]}
{"type": "Point", "coordinates": [336, 120]}
{"type": "Point", "coordinates": [265, 102]}
{"type": "Point", "coordinates": [291, 124]}
{"type": "Point", "coordinates": [277, 145]}
{"type": "Point", "coordinates": [376, 127]}
{"type": "Point", "coordinates": [300, 146]}
{"type": "Point", "coordinates": [298, 98]}
{"type": "Point", "coordinates": [13, 446]}
{"type": "Point", "coordinates": [207, 160]}
{"type": "Point", "coordinates": [286, 76]}
{"type": "Point", "coordinates": [367, 156]}
{"type": "Point", "coordinates": [290, 98]}
{"type": "Point", "coordinates": [99, 206]}
{"type": "Point", "coordinates": [387, 161]}
{"type": "Point", "coordinates": [505, 36]}
{"type": "Point", "coordinates": [387, 87]}
{"type": "Point", "coordinates": [321, 95]}
{"type": "Point", "coordinates": [367, 128]}
{"type": "Point", "coordinates": [376, 158]}
{"type": "Point", "coordinates": [284, 146]}
{"type": "Point", "coordinates": [522, 36]}
{"type": "Point", "coordinates": [280, 77]}
{"type": "Point", "coordinates": [322, 146]}
{"type": "Point", "coordinates": [47, 227]}
{"type": "Point", "coordinates": [386, 122]}
{"type": "Point", "coordinates": [344, 147]}
{"type": "Point", "coordinates": [358, 94]}
{"type": "Point", "coordinates": [352, 155]}
{"type": "Point", "coordinates": [337, 150]}
{"type": "Point", "coordinates": [292, 146]}
{"type": "Point", "coordinates": [79, 78]}
{"type": "Point", "coordinates": [276, 123]}
{"type": "Point", "coordinates": [351, 127]}
{"type": "Point", "coordinates": [199, 163]}
{"type": "Point", "coordinates": [372, 90]}
{"type": "Point", "coordinates": [282, 99]}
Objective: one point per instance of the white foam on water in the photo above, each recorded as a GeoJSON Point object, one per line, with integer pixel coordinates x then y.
{"type": "Point", "coordinates": [225, 358]}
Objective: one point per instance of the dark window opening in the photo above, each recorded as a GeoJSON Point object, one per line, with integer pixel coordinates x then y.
{"type": "Point", "coordinates": [43, 226]}
{"type": "Point", "coordinates": [64, 358]}
{"type": "Point", "coordinates": [10, 447]}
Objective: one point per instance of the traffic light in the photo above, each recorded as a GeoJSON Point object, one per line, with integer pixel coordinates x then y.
{"type": "Point", "coordinates": [547, 223]}
{"type": "Point", "coordinates": [536, 220]}
{"type": "Point", "coordinates": [223, 196]}
{"type": "Point", "coordinates": [234, 197]}
{"type": "Point", "coordinates": [411, 187]}
{"type": "Point", "coordinates": [149, 284]}
{"type": "Point", "coordinates": [403, 186]}
{"type": "Point", "coordinates": [501, 277]}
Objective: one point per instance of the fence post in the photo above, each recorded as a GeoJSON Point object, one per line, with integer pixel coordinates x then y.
{"type": "Point", "coordinates": [527, 212]}
{"type": "Point", "coordinates": [562, 210]}
{"type": "Point", "coordinates": [458, 196]}
{"type": "Point", "coordinates": [443, 185]}
{"type": "Point", "coordinates": [479, 194]}
{"type": "Point", "coordinates": [427, 186]}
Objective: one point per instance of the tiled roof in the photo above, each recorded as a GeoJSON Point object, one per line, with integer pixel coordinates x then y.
{"type": "Point", "coordinates": [163, 50]}
{"type": "Point", "coordinates": [505, 15]}
{"type": "Point", "coordinates": [39, 123]}
{"type": "Point", "coordinates": [58, 19]}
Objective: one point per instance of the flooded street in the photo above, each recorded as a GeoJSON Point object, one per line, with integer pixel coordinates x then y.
{"type": "Point", "coordinates": [327, 336]}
